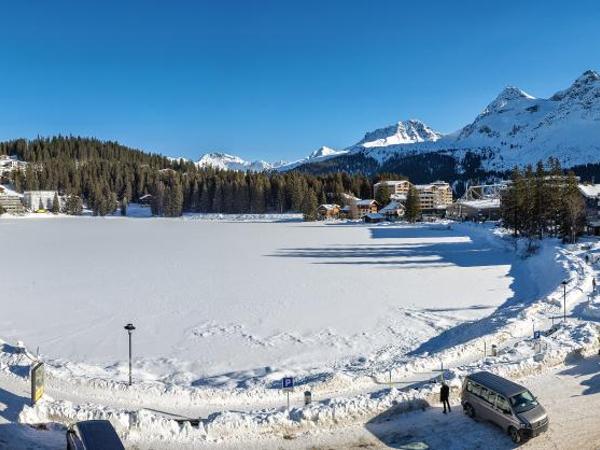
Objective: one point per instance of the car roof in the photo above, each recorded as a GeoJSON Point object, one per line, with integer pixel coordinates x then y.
{"type": "Point", "coordinates": [99, 435]}
{"type": "Point", "coordinates": [498, 384]}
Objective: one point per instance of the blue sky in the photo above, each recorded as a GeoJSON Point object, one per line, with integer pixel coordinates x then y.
{"type": "Point", "coordinates": [276, 79]}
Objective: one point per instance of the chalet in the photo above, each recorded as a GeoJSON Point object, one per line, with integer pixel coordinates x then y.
{"type": "Point", "coordinates": [393, 210]}
{"type": "Point", "coordinates": [365, 207]}
{"type": "Point", "coordinates": [328, 211]}
{"type": "Point", "coordinates": [591, 198]}
{"type": "Point", "coordinates": [346, 212]}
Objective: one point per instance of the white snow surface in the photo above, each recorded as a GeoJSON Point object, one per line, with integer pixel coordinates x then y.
{"type": "Point", "coordinates": [525, 299]}
{"type": "Point", "coordinates": [222, 303]}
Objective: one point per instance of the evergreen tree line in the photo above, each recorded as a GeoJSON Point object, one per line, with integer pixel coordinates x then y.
{"type": "Point", "coordinates": [543, 202]}
{"type": "Point", "coordinates": [107, 176]}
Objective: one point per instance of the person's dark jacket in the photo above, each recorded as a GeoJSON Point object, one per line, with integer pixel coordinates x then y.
{"type": "Point", "coordinates": [444, 392]}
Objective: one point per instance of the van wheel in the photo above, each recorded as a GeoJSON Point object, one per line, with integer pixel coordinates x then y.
{"type": "Point", "coordinates": [469, 411]}
{"type": "Point", "coordinates": [515, 435]}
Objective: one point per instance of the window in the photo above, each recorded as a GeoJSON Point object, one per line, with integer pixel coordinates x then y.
{"type": "Point", "coordinates": [523, 402]}
{"type": "Point", "coordinates": [469, 386]}
{"type": "Point", "coordinates": [491, 398]}
{"type": "Point", "coordinates": [476, 389]}
{"type": "Point", "coordinates": [484, 393]}
{"type": "Point", "coordinates": [502, 404]}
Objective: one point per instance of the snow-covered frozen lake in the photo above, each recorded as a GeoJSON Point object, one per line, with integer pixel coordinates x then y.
{"type": "Point", "coordinates": [220, 302]}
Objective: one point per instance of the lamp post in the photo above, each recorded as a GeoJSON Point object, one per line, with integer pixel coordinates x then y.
{"type": "Point", "coordinates": [564, 283]}
{"type": "Point", "coordinates": [129, 327]}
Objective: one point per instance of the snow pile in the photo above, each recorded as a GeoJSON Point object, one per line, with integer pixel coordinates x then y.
{"type": "Point", "coordinates": [524, 359]}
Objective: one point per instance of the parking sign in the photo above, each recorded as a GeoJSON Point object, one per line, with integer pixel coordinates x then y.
{"type": "Point", "coordinates": [536, 334]}
{"type": "Point", "coordinates": [287, 384]}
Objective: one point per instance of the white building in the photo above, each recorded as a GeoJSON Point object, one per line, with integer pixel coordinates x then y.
{"type": "Point", "coordinates": [34, 200]}
{"type": "Point", "coordinates": [398, 189]}
{"type": "Point", "coordinates": [436, 195]}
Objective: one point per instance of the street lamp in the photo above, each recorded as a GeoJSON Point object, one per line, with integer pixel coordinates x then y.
{"type": "Point", "coordinates": [129, 327]}
{"type": "Point", "coordinates": [564, 283]}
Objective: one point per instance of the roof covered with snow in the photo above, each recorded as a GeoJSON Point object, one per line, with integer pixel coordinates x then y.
{"type": "Point", "coordinates": [590, 190]}
{"type": "Point", "coordinates": [481, 204]}
{"type": "Point", "coordinates": [329, 206]}
{"type": "Point", "coordinates": [366, 202]}
{"type": "Point", "coordinates": [391, 207]}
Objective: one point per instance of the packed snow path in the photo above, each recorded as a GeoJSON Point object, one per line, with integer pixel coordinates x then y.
{"type": "Point", "coordinates": [570, 393]}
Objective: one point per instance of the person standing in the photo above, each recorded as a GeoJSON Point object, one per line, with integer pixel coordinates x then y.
{"type": "Point", "coordinates": [445, 396]}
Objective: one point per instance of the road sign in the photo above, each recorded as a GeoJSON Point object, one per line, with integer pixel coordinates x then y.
{"type": "Point", "coordinates": [37, 381]}
{"type": "Point", "coordinates": [537, 334]}
{"type": "Point", "coordinates": [287, 384]}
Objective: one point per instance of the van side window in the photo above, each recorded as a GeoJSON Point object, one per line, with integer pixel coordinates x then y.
{"type": "Point", "coordinates": [502, 404]}
{"type": "Point", "coordinates": [484, 393]}
{"type": "Point", "coordinates": [476, 389]}
{"type": "Point", "coordinates": [491, 397]}
{"type": "Point", "coordinates": [469, 386]}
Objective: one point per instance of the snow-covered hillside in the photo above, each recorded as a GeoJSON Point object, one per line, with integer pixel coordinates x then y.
{"type": "Point", "coordinates": [406, 132]}
{"type": "Point", "coordinates": [514, 129]}
{"type": "Point", "coordinates": [225, 161]}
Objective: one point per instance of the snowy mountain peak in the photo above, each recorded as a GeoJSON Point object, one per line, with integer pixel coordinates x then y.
{"type": "Point", "coordinates": [323, 151]}
{"type": "Point", "coordinates": [588, 80]}
{"type": "Point", "coordinates": [508, 95]}
{"type": "Point", "coordinates": [587, 77]}
{"type": "Point", "coordinates": [404, 132]}
{"type": "Point", "coordinates": [225, 161]}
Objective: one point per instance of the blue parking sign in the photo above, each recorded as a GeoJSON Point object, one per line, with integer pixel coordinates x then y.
{"type": "Point", "coordinates": [287, 384]}
{"type": "Point", "coordinates": [537, 334]}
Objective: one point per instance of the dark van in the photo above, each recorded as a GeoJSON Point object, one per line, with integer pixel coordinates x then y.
{"type": "Point", "coordinates": [507, 404]}
{"type": "Point", "coordinates": [93, 435]}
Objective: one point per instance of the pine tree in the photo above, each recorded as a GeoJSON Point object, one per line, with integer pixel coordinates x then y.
{"type": "Point", "coordinates": [413, 205]}
{"type": "Point", "coordinates": [55, 204]}
{"type": "Point", "coordinates": [572, 210]}
{"type": "Point", "coordinates": [205, 205]}
{"type": "Point", "coordinates": [309, 206]}
{"type": "Point", "coordinates": [382, 196]}
{"type": "Point", "coordinates": [73, 205]}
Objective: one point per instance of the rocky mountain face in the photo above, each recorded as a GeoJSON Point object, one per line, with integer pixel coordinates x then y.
{"type": "Point", "coordinates": [514, 129]}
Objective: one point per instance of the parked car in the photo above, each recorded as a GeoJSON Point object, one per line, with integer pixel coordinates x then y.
{"type": "Point", "coordinates": [509, 405]}
{"type": "Point", "coordinates": [93, 435]}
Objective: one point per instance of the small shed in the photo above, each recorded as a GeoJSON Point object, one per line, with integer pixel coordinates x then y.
{"type": "Point", "coordinates": [374, 218]}
{"type": "Point", "coordinates": [145, 200]}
